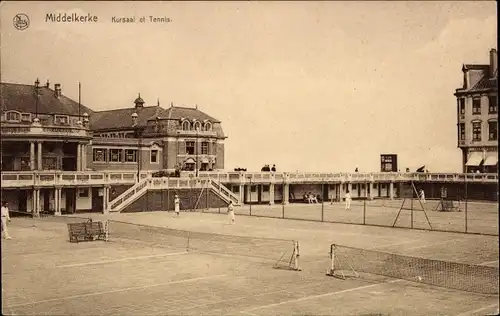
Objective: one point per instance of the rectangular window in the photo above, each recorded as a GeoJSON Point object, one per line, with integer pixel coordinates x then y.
{"type": "Point", "coordinates": [253, 188]}
{"type": "Point", "coordinates": [204, 148]}
{"type": "Point", "coordinates": [115, 155]}
{"type": "Point", "coordinates": [131, 155]}
{"type": "Point", "coordinates": [461, 127]}
{"type": "Point", "coordinates": [265, 188]}
{"type": "Point", "coordinates": [83, 193]}
{"type": "Point", "coordinates": [476, 106]}
{"type": "Point", "coordinates": [154, 156]}
{"type": "Point", "coordinates": [493, 105]}
{"type": "Point", "coordinates": [476, 131]}
{"type": "Point", "coordinates": [492, 130]}
{"type": "Point", "coordinates": [26, 117]}
{"type": "Point", "coordinates": [461, 106]}
{"type": "Point", "coordinates": [61, 120]}
{"type": "Point", "coordinates": [236, 189]}
{"type": "Point", "coordinates": [99, 155]}
{"type": "Point", "coordinates": [190, 147]}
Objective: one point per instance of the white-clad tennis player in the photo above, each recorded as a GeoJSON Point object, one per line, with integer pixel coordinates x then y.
{"type": "Point", "coordinates": [5, 219]}
{"type": "Point", "coordinates": [347, 197]}
{"type": "Point", "coordinates": [230, 212]}
{"type": "Point", "coordinates": [177, 204]}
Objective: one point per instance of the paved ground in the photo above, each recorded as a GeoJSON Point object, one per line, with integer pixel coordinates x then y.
{"type": "Point", "coordinates": [43, 274]}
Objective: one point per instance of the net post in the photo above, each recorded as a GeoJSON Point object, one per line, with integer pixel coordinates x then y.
{"type": "Point", "coordinates": [296, 254]}
{"type": "Point", "coordinates": [331, 271]}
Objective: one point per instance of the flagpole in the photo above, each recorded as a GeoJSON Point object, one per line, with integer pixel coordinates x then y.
{"type": "Point", "coordinates": [79, 97]}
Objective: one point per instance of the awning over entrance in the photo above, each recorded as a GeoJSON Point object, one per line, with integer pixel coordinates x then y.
{"type": "Point", "coordinates": [491, 159]}
{"type": "Point", "coordinates": [204, 160]}
{"type": "Point", "coordinates": [189, 160]}
{"type": "Point", "coordinates": [475, 159]}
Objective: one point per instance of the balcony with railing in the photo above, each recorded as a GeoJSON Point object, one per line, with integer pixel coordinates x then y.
{"type": "Point", "coordinates": [44, 130]}
{"type": "Point", "coordinates": [16, 179]}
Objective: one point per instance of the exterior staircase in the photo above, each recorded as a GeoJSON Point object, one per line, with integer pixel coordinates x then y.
{"type": "Point", "coordinates": [140, 188]}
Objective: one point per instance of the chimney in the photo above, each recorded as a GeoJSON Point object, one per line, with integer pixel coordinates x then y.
{"type": "Point", "coordinates": [57, 89]}
{"type": "Point", "coordinates": [493, 62]}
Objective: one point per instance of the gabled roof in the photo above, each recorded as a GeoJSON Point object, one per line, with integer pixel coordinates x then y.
{"type": "Point", "coordinates": [178, 112]}
{"type": "Point", "coordinates": [475, 67]}
{"type": "Point", "coordinates": [122, 118]}
{"type": "Point", "coordinates": [22, 98]}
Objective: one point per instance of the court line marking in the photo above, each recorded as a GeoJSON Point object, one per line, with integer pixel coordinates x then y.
{"type": "Point", "coordinates": [477, 310]}
{"type": "Point", "coordinates": [320, 295]}
{"type": "Point", "coordinates": [394, 244]}
{"type": "Point", "coordinates": [119, 290]}
{"type": "Point", "coordinates": [121, 259]}
{"type": "Point", "coordinates": [434, 244]}
{"type": "Point", "coordinates": [488, 262]}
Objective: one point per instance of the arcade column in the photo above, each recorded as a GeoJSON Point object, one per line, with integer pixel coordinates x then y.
{"type": "Point", "coordinates": [391, 190]}
{"type": "Point", "coordinates": [57, 198]}
{"type": "Point", "coordinates": [271, 194]}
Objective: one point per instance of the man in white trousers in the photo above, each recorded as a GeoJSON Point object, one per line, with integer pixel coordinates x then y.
{"type": "Point", "coordinates": [347, 198]}
{"type": "Point", "coordinates": [230, 212]}
{"type": "Point", "coordinates": [422, 196]}
{"type": "Point", "coordinates": [5, 219]}
{"type": "Point", "coordinates": [177, 204]}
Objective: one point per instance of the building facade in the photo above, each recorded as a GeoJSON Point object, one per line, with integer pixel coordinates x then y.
{"type": "Point", "coordinates": [477, 116]}
{"type": "Point", "coordinates": [60, 156]}
{"type": "Point", "coordinates": [153, 138]}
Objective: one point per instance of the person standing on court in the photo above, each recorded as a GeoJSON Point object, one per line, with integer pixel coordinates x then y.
{"type": "Point", "coordinates": [347, 198]}
{"type": "Point", "coordinates": [5, 219]}
{"type": "Point", "coordinates": [422, 196]}
{"type": "Point", "coordinates": [230, 212]}
{"type": "Point", "coordinates": [177, 204]}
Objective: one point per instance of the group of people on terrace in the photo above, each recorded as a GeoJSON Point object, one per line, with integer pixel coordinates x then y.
{"type": "Point", "coordinates": [267, 169]}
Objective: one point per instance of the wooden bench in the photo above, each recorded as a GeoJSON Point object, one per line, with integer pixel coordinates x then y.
{"type": "Point", "coordinates": [88, 231]}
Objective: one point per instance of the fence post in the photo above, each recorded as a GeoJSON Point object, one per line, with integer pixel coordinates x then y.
{"type": "Point", "coordinates": [218, 180]}
{"type": "Point", "coordinates": [250, 196]}
{"type": "Point", "coordinates": [168, 193]}
{"type": "Point", "coordinates": [411, 214]}
{"type": "Point", "coordinates": [206, 195]}
{"type": "Point", "coordinates": [323, 201]}
{"type": "Point", "coordinates": [364, 212]}
{"type": "Point", "coordinates": [283, 200]}
{"type": "Point", "coordinates": [466, 198]}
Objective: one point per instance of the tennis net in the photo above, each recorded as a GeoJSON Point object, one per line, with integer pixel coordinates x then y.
{"type": "Point", "coordinates": [454, 275]}
{"type": "Point", "coordinates": [262, 248]}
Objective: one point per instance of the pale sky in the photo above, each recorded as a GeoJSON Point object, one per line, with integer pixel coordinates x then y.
{"type": "Point", "coordinates": [309, 86]}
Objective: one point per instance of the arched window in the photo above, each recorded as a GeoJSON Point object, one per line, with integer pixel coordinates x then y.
{"type": "Point", "coordinates": [186, 126]}
{"type": "Point", "coordinates": [13, 116]}
{"type": "Point", "coordinates": [207, 126]}
{"type": "Point", "coordinates": [197, 125]}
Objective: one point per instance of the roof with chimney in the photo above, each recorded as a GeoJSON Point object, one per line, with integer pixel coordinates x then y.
{"type": "Point", "coordinates": [481, 77]}
{"type": "Point", "coordinates": [23, 98]}
{"type": "Point", "coordinates": [121, 119]}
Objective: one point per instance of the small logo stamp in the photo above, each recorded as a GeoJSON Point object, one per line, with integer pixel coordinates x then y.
{"type": "Point", "coordinates": [21, 21]}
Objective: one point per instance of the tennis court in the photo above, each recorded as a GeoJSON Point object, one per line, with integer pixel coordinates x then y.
{"type": "Point", "coordinates": [477, 217]}
{"type": "Point", "coordinates": [44, 274]}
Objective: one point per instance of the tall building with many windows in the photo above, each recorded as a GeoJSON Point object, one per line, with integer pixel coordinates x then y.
{"type": "Point", "coordinates": [477, 116]}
